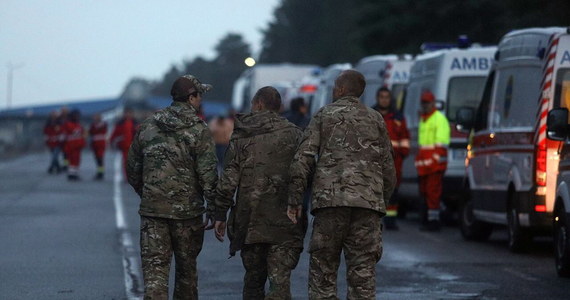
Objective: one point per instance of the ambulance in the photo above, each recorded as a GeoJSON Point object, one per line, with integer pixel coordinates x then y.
{"type": "Point", "coordinates": [511, 166]}
{"type": "Point", "coordinates": [558, 72]}
{"type": "Point", "coordinates": [281, 76]}
{"type": "Point", "coordinates": [323, 95]}
{"type": "Point", "coordinates": [391, 71]}
{"type": "Point", "coordinates": [456, 77]}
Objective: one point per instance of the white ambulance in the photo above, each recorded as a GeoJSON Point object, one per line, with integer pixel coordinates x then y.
{"type": "Point", "coordinates": [558, 74]}
{"type": "Point", "coordinates": [389, 70]}
{"type": "Point", "coordinates": [323, 96]}
{"type": "Point", "coordinates": [456, 77]}
{"type": "Point", "coordinates": [511, 166]}
{"type": "Point", "coordinates": [281, 76]}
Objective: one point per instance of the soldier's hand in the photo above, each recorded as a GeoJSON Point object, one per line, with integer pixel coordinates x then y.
{"type": "Point", "coordinates": [294, 213]}
{"type": "Point", "coordinates": [220, 230]}
{"type": "Point", "coordinates": [208, 222]}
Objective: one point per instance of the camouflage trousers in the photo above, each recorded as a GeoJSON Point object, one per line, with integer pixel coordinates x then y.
{"type": "Point", "coordinates": [262, 261]}
{"type": "Point", "coordinates": [357, 232]}
{"type": "Point", "coordinates": [160, 238]}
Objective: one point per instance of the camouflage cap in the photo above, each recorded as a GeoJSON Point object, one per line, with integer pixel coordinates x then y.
{"type": "Point", "coordinates": [186, 85]}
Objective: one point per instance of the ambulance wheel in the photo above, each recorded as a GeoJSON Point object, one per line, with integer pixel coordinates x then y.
{"type": "Point", "coordinates": [519, 238]}
{"type": "Point", "coordinates": [471, 228]}
{"type": "Point", "coordinates": [562, 242]}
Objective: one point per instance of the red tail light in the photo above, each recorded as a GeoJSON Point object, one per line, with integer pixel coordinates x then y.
{"type": "Point", "coordinates": [541, 165]}
{"type": "Point", "coordinates": [308, 88]}
{"type": "Point", "coordinates": [540, 208]}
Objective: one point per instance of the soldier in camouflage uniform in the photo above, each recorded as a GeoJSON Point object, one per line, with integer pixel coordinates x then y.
{"type": "Point", "coordinates": [347, 152]}
{"type": "Point", "coordinates": [172, 166]}
{"type": "Point", "coordinates": [257, 163]}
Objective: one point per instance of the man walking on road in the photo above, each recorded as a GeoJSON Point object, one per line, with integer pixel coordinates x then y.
{"type": "Point", "coordinates": [347, 151]}
{"type": "Point", "coordinates": [172, 166]}
{"type": "Point", "coordinates": [400, 139]}
{"type": "Point", "coordinates": [257, 165]}
{"type": "Point", "coordinates": [431, 160]}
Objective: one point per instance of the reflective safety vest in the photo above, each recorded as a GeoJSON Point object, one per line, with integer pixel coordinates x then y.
{"type": "Point", "coordinates": [433, 140]}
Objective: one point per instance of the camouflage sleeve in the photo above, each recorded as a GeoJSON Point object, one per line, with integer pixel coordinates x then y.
{"type": "Point", "coordinates": [228, 182]}
{"type": "Point", "coordinates": [206, 162]}
{"type": "Point", "coordinates": [388, 167]}
{"type": "Point", "coordinates": [135, 165]}
{"type": "Point", "coordinates": [304, 162]}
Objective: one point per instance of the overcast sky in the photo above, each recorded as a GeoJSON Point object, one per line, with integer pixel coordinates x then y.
{"type": "Point", "coordinates": [67, 50]}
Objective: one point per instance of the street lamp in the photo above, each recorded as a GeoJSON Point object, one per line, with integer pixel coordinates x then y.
{"type": "Point", "coordinates": [10, 83]}
{"type": "Point", "coordinates": [250, 62]}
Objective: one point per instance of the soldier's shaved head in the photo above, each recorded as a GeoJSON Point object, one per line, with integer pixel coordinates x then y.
{"type": "Point", "coordinates": [267, 98]}
{"type": "Point", "coordinates": [349, 83]}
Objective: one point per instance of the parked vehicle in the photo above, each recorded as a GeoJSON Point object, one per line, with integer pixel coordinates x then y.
{"type": "Point", "coordinates": [558, 130]}
{"type": "Point", "coordinates": [456, 77]}
{"type": "Point", "coordinates": [512, 167]}
{"type": "Point", "coordinates": [280, 75]}
{"type": "Point", "coordinates": [323, 95]}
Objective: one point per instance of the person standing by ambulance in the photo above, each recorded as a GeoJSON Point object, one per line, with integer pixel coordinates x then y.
{"type": "Point", "coordinates": [98, 134]}
{"type": "Point", "coordinates": [400, 138]}
{"type": "Point", "coordinates": [431, 160]}
{"type": "Point", "coordinates": [74, 143]}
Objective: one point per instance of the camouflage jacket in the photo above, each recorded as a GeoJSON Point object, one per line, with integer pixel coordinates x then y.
{"type": "Point", "coordinates": [172, 164]}
{"type": "Point", "coordinates": [257, 163]}
{"type": "Point", "coordinates": [347, 152]}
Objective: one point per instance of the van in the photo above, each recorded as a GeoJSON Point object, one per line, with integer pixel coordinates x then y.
{"type": "Point", "coordinates": [323, 95]}
{"type": "Point", "coordinates": [558, 72]}
{"type": "Point", "coordinates": [279, 75]}
{"type": "Point", "coordinates": [383, 70]}
{"type": "Point", "coordinates": [456, 77]}
{"type": "Point", "coordinates": [511, 166]}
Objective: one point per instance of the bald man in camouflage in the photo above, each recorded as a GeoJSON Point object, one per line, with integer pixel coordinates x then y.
{"type": "Point", "coordinates": [257, 163]}
{"type": "Point", "coordinates": [347, 152]}
{"type": "Point", "coordinates": [172, 166]}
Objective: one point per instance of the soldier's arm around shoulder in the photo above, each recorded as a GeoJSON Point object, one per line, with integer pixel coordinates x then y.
{"type": "Point", "coordinates": [304, 162]}
{"type": "Point", "coordinates": [135, 160]}
{"type": "Point", "coordinates": [229, 180]}
{"type": "Point", "coordinates": [206, 162]}
{"type": "Point", "coordinates": [388, 167]}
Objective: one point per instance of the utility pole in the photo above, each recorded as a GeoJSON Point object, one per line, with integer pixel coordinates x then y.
{"type": "Point", "coordinates": [10, 83]}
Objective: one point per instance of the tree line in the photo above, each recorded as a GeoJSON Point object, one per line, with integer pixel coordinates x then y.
{"type": "Point", "coordinates": [334, 31]}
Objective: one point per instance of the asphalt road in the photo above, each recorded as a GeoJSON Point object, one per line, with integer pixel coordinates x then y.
{"type": "Point", "coordinates": [79, 240]}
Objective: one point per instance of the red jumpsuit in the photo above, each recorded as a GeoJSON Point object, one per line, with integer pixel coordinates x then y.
{"type": "Point", "coordinates": [400, 137]}
{"type": "Point", "coordinates": [74, 143]}
{"type": "Point", "coordinates": [98, 134]}
{"type": "Point", "coordinates": [52, 133]}
{"type": "Point", "coordinates": [123, 135]}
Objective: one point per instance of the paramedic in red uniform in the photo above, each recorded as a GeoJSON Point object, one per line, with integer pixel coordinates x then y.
{"type": "Point", "coordinates": [400, 137]}
{"type": "Point", "coordinates": [74, 143]}
{"type": "Point", "coordinates": [52, 133]}
{"type": "Point", "coordinates": [431, 160]}
{"type": "Point", "coordinates": [98, 135]}
{"type": "Point", "coordinates": [123, 134]}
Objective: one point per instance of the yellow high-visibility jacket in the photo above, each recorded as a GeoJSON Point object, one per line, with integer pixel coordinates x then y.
{"type": "Point", "coordinates": [433, 140]}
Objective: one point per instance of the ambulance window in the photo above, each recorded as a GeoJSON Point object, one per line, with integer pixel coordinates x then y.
{"type": "Point", "coordinates": [463, 92]}
{"type": "Point", "coordinates": [516, 101]}
{"type": "Point", "coordinates": [562, 96]}
{"type": "Point", "coordinates": [481, 117]}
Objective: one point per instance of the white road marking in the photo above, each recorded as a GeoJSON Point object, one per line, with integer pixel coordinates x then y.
{"type": "Point", "coordinates": [133, 279]}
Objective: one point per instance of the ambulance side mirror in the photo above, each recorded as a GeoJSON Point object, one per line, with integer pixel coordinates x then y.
{"type": "Point", "coordinates": [464, 118]}
{"type": "Point", "coordinates": [557, 124]}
